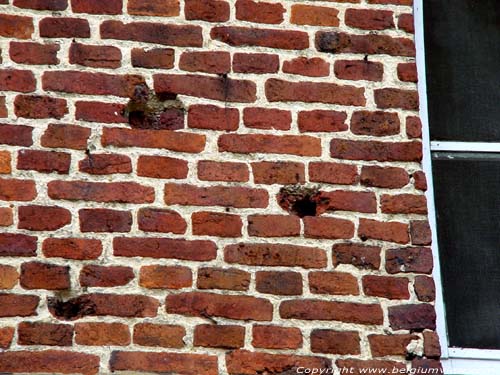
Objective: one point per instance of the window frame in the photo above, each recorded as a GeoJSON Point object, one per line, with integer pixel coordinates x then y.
{"type": "Point", "coordinates": [462, 361]}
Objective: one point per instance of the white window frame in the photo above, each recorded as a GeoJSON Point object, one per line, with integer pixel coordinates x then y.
{"type": "Point", "coordinates": [456, 361]}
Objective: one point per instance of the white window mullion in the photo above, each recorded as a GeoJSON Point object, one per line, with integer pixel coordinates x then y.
{"type": "Point", "coordinates": [465, 146]}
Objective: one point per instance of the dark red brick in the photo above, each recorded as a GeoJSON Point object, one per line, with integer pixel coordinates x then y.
{"type": "Point", "coordinates": [279, 283]}
{"type": "Point", "coordinates": [335, 342]}
{"type": "Point", "coordinates": [415, 317]}
{"type": "Point", "coordinates": [17, 80]}
{"type": "Point", "coordinates": [322, 121]}
{"type": "Point", "coordinates": [42, 4]}
{"type": "Point", "coordinates": [156, 8]}
{"type": "Point", "coordinates": [373, 150]}
{"type": "Point", "coordinates": [156, 58]}
{"type": "Point", "coordinates": [64, 27]}
{"type": "Point", "coordinates": [259, 11]}
{"type": "Point", "coordinates": [160, 220]}
{"type": "Point", "coordinates": [40, 218]}
{"type": "Point", "coordinates": [18, 27]}
{"type": "Point", "coordinates": [160, 335]}
{"type": "Point", "coordinates": [102, 276]}
{"type": "Point", "coordinates": [369, 19]}
{"type": "Point", "coordinates": [34, 53]}
{"type": "Point", "coordinates": [337, 283]}
{"type": "Point", "coordinates": [72, 248]}
{"type": "Point", "coordinates": [213, 117]}
{"type": "Point", "coordinates": [165, 277]}
{"type": "Point", "coordinates": [361, 256]}
{"type": "Point", "coordinates": [333, 173]}
{"type": "Point", "coordinates": [410, 259]}
{"type": "Point", "coordinates": [97, 6]}
{"type": "Point", "coordinates": [65, 136]}
{"type": "Point", "coordinates": [219, 336]}
{"type": "Point", "coordinates": [17, 245]}
{"type": "Point", "coordinates": [44, 334]}
{"type": "Point", "coordinates": [222, 171]}
{"type": "Point", "coordinates": [17, 190]}
{"type": "Point", "coordinates": [257, 63]}
{"type": "Point", "coordinates": [37, 275]}
{"type": "Point", "coordinates": [313, 67]}
{"type": "Point", "coordinates": [206, 61]}
{"type": "Point", "coordinates": [207, 10]}
{"type": "Point", "coordinates": [100, 220]}
{"type": "Point", "coordinates": [95, 56]}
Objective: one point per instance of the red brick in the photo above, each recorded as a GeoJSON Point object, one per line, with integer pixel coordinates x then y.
{"type": "Point", "coordinates": [227, 196]}
{"type": "Point", "coordinates": [102, 220]}
{"type": "Point", "coordinates": [102, 334]}
{"type": "Point", "coordinates": [357, 70]}
{"type": "Point", "coordinates": [343, 200]}
{"type": "Point", "coordinates": [88, 83]}
{"type": "Point", "coordinates": [359, 367]}
{"type": "Point", "coordinates": [424, 364]}
{"type": "Point", "coordinates": [210, 304]}
{"type": "Point", "coordinates": [340, 283]}
{"type": "Point", "coordinates": [267, 118]}
{"type": "Point", "coordinates": [205, 61]}
{"type": "Point", "coordinates": [95, 56]}
{"type": "Point", "coordinates": [275, 255]}
{"type": "Point", "coordinates": [396, 98]}
{"type": "Point", "coordinates": [314, 92]}
{"type": "Point", "coordinates": [384, 345]}
{"type": "Point", "coordinates": [162, 139]}
{"type": "Point", "coordinates": [156, 58]}
{"type": "Point", "coordinates": [222, 171]}
{"type": "Point", "coordinates": [279, 283]}
{"type": "Point", "coordinates": [376, 123]}
{"type": "Point", "coordinates": [65, 136]}
{"type": "Point", "coordinates": [44, 161]}
{"type": "Point", "coordinates": [226, 279]}
{"type": "Point", "coordinates": [372, 150]}
{"type": "Point", "coordinates": [6, 337]}
{"type": "Point", "coordinates": [8, 279]}
{"type": "Point", "coordinates": [410, 259]}
{"type": "Point", "coordinates": [216, 88]}
{"type": "Point", "coordinates": [386, 287]}
{"type": "Point", "coordinates": [42, 4]}
{"type": "Point", "coordinates": [415, 317]}
{"type": "Point", "coordinates": [34, 53]}
{"type": "Point", "coordinates": [322, 121]}
{"type": "Point", "coordinates": [335, 342]}
{"type": "Point", "coordinates": [259, 11]}
{"type": "Point", "coordinates": [17, 190]}
{"type": "Point", "coordinates": [413, 127]}
{"type": "Point", "coordinates": [246, 36]}
{"type": "Point", "coordinates": [310, 309]}
{"type": "Point", "coordinates": [102, 276]}
{"type": "Point", "coordinates": [164, 248]}
{"type": "Point", "coordinates": [120, 192]}
{"type": "Point", "coordinates": [407, 72]}
{"type": "Point", "coordinates": [43, 218]}
{"type": "Point", "coordinates": [420, 180]}
{"type": "Point", "coordinates": [213, 117]}
{"type": "Point", "coordinates": [16, 135]}
{"type": "Point", "coordinates": [314, 15]}
{"type": "Point", "coordinates": [314, 67]}
{"type": "Point", "coordinates": [420, 232]}
{"type": "Point", "coordinates": [160, 220]}
{"type": "Point", "coordinates": [72, 248]}
{"type": "Point", "coordinates": [161, 167]}
{"type": "Point", "coordinates": [17, 80]}
{"type": "Point", "coordinates": [3, 108]}
{"type": "Point", "coordinates": [385, 231]}
{"type": "Point", "coordinates": [406, 23]}
{"type": "Point", "coordinates": [273, 225]}
{"type": "Point", "coordinates": [404, 204]}
{"type": "Point", "coordinates": [327, 227]}
{"type": "Point", "coordinates": [425, 288]}
{"type": "Point", "coordinates": [384, 177]}
{"type": "Point", "coordinates": [432, 349]}
{"type": "Point", "coordinates": [278, 172]}
{"type": "Point", "coordinates": [64, 27]}
{"type": "Point", "coordinates": [274, 337]}
{"type": "Point", "coordinates": [260, 143]}
{"type": "Point", "coordinates": [369, 19]}
{"type": "Point", "coordinates": [369, 44]}
{"type": "Point", "coordinates": [15, 305]}
{"type": "Point", "coordinates": [39, 107]}
{"type": "Point", "coordinates": [216, 224]}
{"type": "Point", "coordinates": [100, 164]}
{"type": "Point", "coordinates": [16, 26]}
{"type": "Point", "coordinates": [44, 334]}
{"type": "Point", "coordinates": [100, 304]}
{"type": "Point", "coordinates": [333, 173]}
{"type": "Point", "coordinates": [165, 277]}
{"type": "Point", "coordinates": [219, 336]}
{"type": "Point", "coordinates": [361, 256]}
{"type": "Point", "coordinates": [162, 335]}
{"type": "Point", "coordinates": [97, 6]}
{"type": "Point", "coordinates": [17, 245]}
{"type": "Point", "coordinates": [49, 361]}
{"type": "Point", "coordinates": [156, 8]}
{"type": "Point", "coordinates": [37, 275]}
{"type": "Point", "coordinates": [5, 162]}
{"type": "Point", "coordinates": [242, 362]}
{"type": "Point", "coordinates": [182, 363]}
{"type": "Point", "coordinates": [208, 10]}
{"type": "Point", "coordinates": [258, 63]}
{"type": "Point", "coordinates": [158, 33]}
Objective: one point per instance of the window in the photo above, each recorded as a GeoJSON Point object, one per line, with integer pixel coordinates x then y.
{"type": "Point", "coordinates": [460, 78]}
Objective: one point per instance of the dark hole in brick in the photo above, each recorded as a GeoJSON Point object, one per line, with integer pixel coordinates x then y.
{"type": "Point", "coordinates": [72, 309]}
{"type": "Point", "coordinates": [146, 110]}
{"type": "Point", "coordinates": [302, 201]}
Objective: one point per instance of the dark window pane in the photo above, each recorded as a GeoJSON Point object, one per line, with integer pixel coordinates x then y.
{"type": "Point", "coordinates": [467, 198]}
{"type": "Point", "coordinates": [462, 46]}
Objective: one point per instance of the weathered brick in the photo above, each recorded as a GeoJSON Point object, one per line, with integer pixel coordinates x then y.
{"type": "Point", "coordinates": [17, 245]}
{"type": "Point", "coordinates": [333, 173]}
{"type": "Point", "coordinates": [419, 180]}
{"type": "Point", "coordinates": [165, 277]}
{"type": "Point", "coordinates": [222, 171]}
{"type": "Point", "coordinates": [17, 80]}
{"type": "Point", "coordinates": [102, 334]}
{"type": "Point", "coordinates": [410, 259]}
{"type": "Point", "coordinates": [274, 337]}
{"type": "Point", "coordinates": [406, 23]}
{"type": "Point", "coordinates": [313, 67]}
{"type": "Point", "coordinates": [72, 248]}
{"type": "Point", "coordinates": [8, 277]}
{"type": "Point", "coordinates": [404, 204]}
{"type": "Point", "coordinates": [340, 283]}
{"type": "Point", "coordinates": [42, 4]}
{"type": "Point", "coordinates": [44, 334]}
{"type": "Point", "coordinates": [373, 150]}
{"type": "Point", "coordinates": [102, 276]}
{"type": "Point", "coordinates": [156, 58]}
{"type": "Point", "coordinates": [156, 8]}
{"type": "Point", "coordinates": [37, 275]}
{"type": "Point", "coordinates": [275, 144]}
{"type": "Point", "coordinates": [246, 36]}
{"type": "Point", "coordinates": [278, 172]}
{"type": "Point", "coordinates": [361, 256]}
{"type": "Point", "coordinates": [95, 56]}
{"type": "Point", "coordinates": [164, 248]}
{"type": "Point", "coordinates": [425, 288]}
{"type": "Point", "coordinates": [226, 279]}
{"type": "Point", "coordinates": [327, 227]}
{"type": "Point", "coordinates": [17, 190]}
{"type": "Point", "coordinates": [34, 53]}
{"type": "Point", "coordinates": [3, 108]}
{"type": "Point", "coordinates": [275, 255]}
{"type": "Point", "coordinates": [40, 218]}
{"type": "Point", "coordinates": [161, 335]}
{"type": "Point", "coordinates": [208, 10]}
{"type": "Point", "coordinates": [384, 345]}
{"type": "Point", "coordinates": [6, 337]}
{"type": "Point", "coordinates": [376, 123]}
{"type": "Point", "coordinates": [424, 364]}
{"type": "Point", "coordinates": [397, 98]}
{"type": "Point", "coordinates": [321, 121]}
{"type": "Point", "coordinates": [386, 287]}
{"type": "Point", "coordinates": [432, 348]}
{"type": "Point", "coordinates": [39, 107]}
{"type": "Point", "coordinates": [259, 11]}
{"type": "Point", "coordinates": [273, 225]}
{"type": "Point", "coordinates": [210, 304]}
{"type": "Point", "coordinates": [19, 27]}
{"type": "Point", "coordinates": [16, 135]}
{"type": "Point", "coordinates": [384, 177]}
{"type": "Point", "coordinates": [100, 220]}
{"type": "Point", "coordinates": [205, 61]}
{"type": "Point", "coordinates": [64, 27]}
{"type": "Point", "coordinates": [313, 15]}
{"type": "Point", "coordinates": [369, 19]}
{"type": "Point", "coordinates": [420, 232]}
{"type": "Point", "coordinates": [279, 283]}
{"type": "Point", "coordinates": [65, 136]}
{"type": "Point", "coordinates": [161, 167]}
{"type": "Point", "coordinates": [345, 200]}
{"type": "Point", "coordinates": [44, 161]}
{"type": "Point", "coordinates": [219, 336]}
{"type": "Point", "coordinates": [213, 117]}
{"type": "Point", "coordinates": [101, 164]}
{"type": "Point", "coordinates": [257, 63]}
{"type": "Point", "coordinates": [413, 127]}
{"type": "Point", "coordinates": [335, 342]}
{"type": "Point", "coordinates": [216, 224]}
{"type": "Point", "coordinates": [407, 72]}
{"type": "Point", "coordinates": [416, 317]}
{"type": "Point", "coordinates": [267, 118]}
{"type": "Point", "coordinates": [96, 6]}
{"type": "Point", "coordinates": [390, 231]}
{"type": "Point", "coordinates": [5, 163]}
{"type": "Point", "coordinates": [160, 220]}
{"type": "Point", "coordinates": [15, 305]}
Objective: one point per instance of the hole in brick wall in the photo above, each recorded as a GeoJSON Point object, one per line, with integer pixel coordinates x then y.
{"type": "Point", "coordinates": [302, 201]}
{"type": "Point", "coordinates": [72, 309]}
{"type": "Point", "coordinates": [147, 110]}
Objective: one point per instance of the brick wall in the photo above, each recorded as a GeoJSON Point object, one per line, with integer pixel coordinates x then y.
{"type": "Point", "coordinates": [212, 187]}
